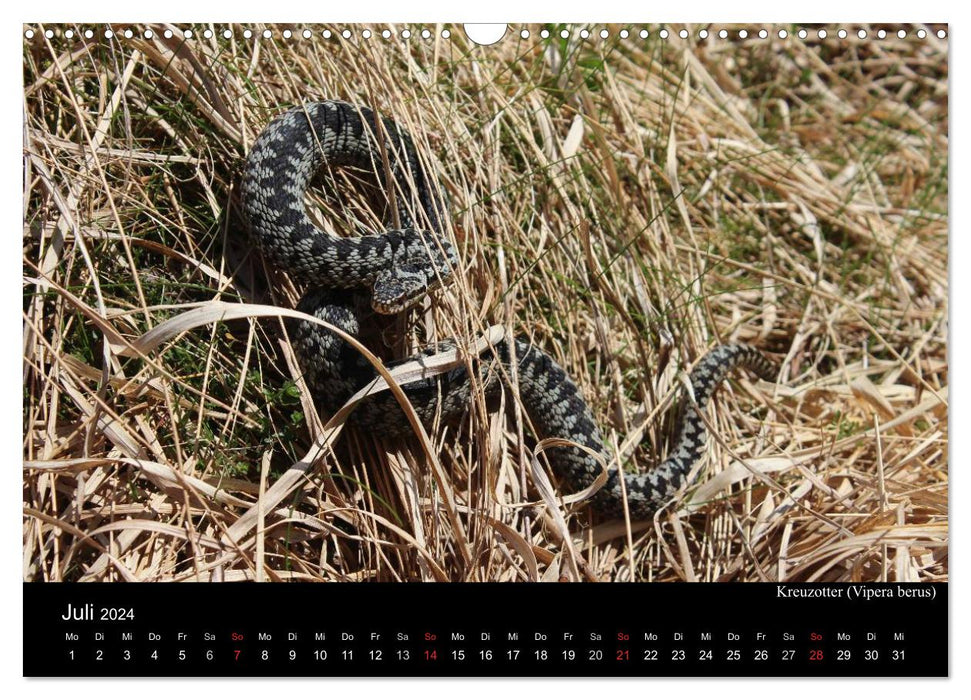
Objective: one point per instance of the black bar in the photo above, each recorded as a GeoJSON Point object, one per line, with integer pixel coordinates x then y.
{"type": "Point", "coordinates": [613, 629]}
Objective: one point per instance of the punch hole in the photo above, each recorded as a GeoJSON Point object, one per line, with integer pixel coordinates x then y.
{"type": "Point", "coordinates": [485, 34]}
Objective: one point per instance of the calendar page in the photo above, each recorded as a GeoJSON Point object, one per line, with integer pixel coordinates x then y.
{"type": "Point", "coordinates": [485, 350]}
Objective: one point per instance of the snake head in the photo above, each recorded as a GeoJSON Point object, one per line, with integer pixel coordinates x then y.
{"type": "Point", "coordinates": [419, 263]}
{"type": "Point", "coordinates": [397, 288]}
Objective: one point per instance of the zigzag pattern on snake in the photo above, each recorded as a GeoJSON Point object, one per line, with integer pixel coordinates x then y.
{"type": "Point", "coordinates": [393, 269]}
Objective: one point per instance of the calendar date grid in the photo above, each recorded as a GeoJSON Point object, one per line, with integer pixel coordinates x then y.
{"type": "Point", "coordinates": [430, 630]}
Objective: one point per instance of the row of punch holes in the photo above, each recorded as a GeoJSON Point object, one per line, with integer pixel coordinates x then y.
{"type": "Point", "coordinates": [563, 33]}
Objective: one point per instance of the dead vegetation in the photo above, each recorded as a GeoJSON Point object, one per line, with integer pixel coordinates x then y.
{"type": "Point", "coordinates": [627, 203]}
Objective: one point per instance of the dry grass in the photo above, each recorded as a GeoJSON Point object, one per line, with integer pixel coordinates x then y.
{"type": "Point", "coordinates": [625, 203]}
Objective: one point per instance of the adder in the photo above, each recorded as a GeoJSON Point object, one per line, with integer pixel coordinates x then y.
{"type": "Point", "coordinates": [395, 268]}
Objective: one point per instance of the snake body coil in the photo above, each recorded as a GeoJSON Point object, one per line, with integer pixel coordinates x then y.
{"type": "Point", "coordinates": [396, 268]}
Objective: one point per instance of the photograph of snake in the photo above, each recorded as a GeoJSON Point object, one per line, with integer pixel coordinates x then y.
{"type": "Point", "coordinates": [376, 303]}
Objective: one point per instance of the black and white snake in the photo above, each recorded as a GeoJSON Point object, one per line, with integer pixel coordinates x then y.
{"type": "Point", "coordinates": [394, 269]}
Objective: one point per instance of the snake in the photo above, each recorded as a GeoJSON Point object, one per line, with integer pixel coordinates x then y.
{"type": "Point", "coordinates": [349, 280]}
